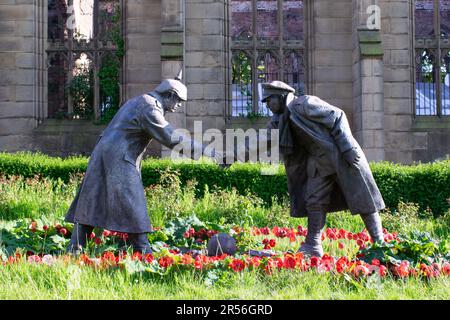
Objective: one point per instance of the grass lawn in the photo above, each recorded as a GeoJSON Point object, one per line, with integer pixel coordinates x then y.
{"type": "Point", "coordinates": [22, 198]}
{"type": "Point", "coordinates": [70, 282]}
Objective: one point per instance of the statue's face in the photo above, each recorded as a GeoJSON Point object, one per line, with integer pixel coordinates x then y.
{"type": "Point", "coordinates": [171, 102]}
{"type": "Point", "coordinates": [275, 104]}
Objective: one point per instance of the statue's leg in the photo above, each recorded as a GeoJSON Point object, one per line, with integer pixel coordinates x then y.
{"type": "Point", "coordinates": [318, 196]}
{"type": "Point", "coordinates": [79, 238]}
{"type": "Point", "coordinates": [139, 242]}
{"type": "Point", "coordinates": [373, 225]}
{"type": "Point", "coordinates": [313, 241]}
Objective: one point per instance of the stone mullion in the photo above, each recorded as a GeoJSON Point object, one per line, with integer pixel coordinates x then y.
{"type": "Point", "coordinates": [96, 106]}
{"type": "Point", "coordinates": [438, 58]}
{"type": "Point", "coordinates": [281, 41]}
{"type": "Point", "coordinates": [254, 59]}
{"type": "Point", "coordinates": [96, 56]}
{"type": "Point", "coordinates": [122, 78]}
{"type": "Point", "coordinates": [70, 63]}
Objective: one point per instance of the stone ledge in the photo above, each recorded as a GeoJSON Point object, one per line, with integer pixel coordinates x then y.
{"type": "Point", "coordinates": [370, 44]}
{"type": "Point", "coordinates": [431, 122]}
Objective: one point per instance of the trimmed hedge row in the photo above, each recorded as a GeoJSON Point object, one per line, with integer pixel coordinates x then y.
{"type": "Point", "coordinates": [425, 184]}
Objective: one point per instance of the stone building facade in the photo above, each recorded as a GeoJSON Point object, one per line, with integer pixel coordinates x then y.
{"type": "Point", "coordinates": [363, 56]}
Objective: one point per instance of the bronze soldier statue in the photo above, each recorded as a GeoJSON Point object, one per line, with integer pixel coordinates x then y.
{"type": "Point", "coordinates": [111, 195]}
{"type": "Point", "coordinates": [325, 166]}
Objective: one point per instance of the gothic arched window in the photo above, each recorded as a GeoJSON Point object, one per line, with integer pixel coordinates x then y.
{"type": "Point", "coordinates": [270, 35]}
{"type": "Point", "coordinates": [432, 57]}
{"type": "Point", "coordinates": [85, 50]}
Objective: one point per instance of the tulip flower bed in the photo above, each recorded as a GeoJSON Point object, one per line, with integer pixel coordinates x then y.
{"type": "Point", "coordinates": [180, 245]}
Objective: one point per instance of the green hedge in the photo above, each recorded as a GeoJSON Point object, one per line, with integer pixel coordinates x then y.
{"type": "Point", "coordinates": [425, 184]}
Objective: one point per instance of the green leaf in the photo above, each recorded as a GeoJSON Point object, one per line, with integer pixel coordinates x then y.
{"type": "Point", "coordinates": [133, 266]}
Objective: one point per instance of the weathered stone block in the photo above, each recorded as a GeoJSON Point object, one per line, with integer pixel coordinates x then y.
{"type": "Point", "coordinates": [7, 77]}
{"type": "Point", "coordinates": [406, 141]}
{"type": "Point", "coordinates": [367, 102]}
{"type": "Point", "coordinates": [326, 90]}
{"type": "Point", "coordinates": [397, 74]}
{"type": "Point", "coordinates": [7, 60]}
{"type": "Point", "coordinates": [147, 75]}
{"type": "Point", "coordinates": [395, 41]}
{"type": "Point", "coordinates": [143, 26]}
{"type": "Point", "coordinates": [213, 26]}
{"type": "Point", "coordinates": [208, 122]}
{"type": "Point", "coordinates": [172, 37]}
{"type": "Point", "coordinates": [398, 122]}
{"type": "Point", "coordinates": [25, 28]}
{"type": "Point", "coordinates": [404, 157]}
{"type": "Point", "coordinates": [394, 106]}
{"type": "Point", "coordinates": [7, 27]}
{"type": "Point", "coordinates": [332, 25]}
{"type": "Point", "coordinates": [378, 101]}
{"type": "Point", "coordinates": [142, 59]}
{"type": "Point", "coordinates": [333, 74]}
{"type": "Point", "coordinates": [332, 57]}
{"type": "Point", "coordinates": [7, 93]}
{"type": "Point", "coordinates": [400, 57]}
{"type": "Point", "coordinates": [214, 91]}
{"type": "Point", "coordinates": [397, 9]}
{"type": "Point", "coordinates": [401, 90]}
{"type": "Point", "coordinates": [334, 9]}
{"type": "Point", "coordinates": [194, 27]}
{"type": "Point", "coordinates": [372, 85]}
{"type": "Point", "coordinates": [25, 76]}
{"type": "Point", "coordinates": [14, 12]}
{"type": "Point", "coordinates": [374, 154]}
{"type": "Point", "coordinates": [334, 41]}
{"type": "Point", "coordinates": [204, 42]}
{"type": "Point", "coordinates": [170, 68]}
{"type": "Point", "coordinates": [25, 60]}
{"type": "Point", "coordinates": [195, 91]}
{"type": "Point", "coordinates": [205, 58]}
{"type": "Point", "coordinates": [145, 10]}
{"type": "Point", "coordinates": [399, 26]}
{"type": "Point", "coordinates": [16, 126]}
{"type": "Point", "coordinates": [371, 49]}
{"type": "Point", "coordinates": [202, 75]}
{"type": "Point", "coordinates": [366, 67]}
{"type": "Point", "coordinates": [372, 120]}
{"type": "Point", "coordinates": [177, 120]}
{"type": "Point", "coordinates": [14, 143]}
{"type": "Point", "coordinates": [25, 94]}
{"type": "Point", "coordinates": [171, 51]}
{"type": "Point", "coordinates": [145, 43]}
{"type": "Point", "coordinates": [205, 107]}
{"type": "Point", "coordinates": [9, 44]}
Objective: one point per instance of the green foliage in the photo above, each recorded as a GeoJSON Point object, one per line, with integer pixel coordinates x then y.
{"type": "Point", "coordinates": [82, 94]}
{"type": "Point", "coordinates": [110, 86]}
{"type": "Point", "coordinates": [428, 185]}
{"type": "Point", "coordinates": [408, 217]}
{"type": "Point", "coordinates": [35, 197]}
{"type": "Point", "coordinates": [417, 248]}
{"type": "Point", "coordinates": [18, 234]}
{"type": "Point", "coordinates": [109, 73]}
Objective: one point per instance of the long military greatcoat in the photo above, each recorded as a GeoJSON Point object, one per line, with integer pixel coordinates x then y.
{"type": "Point", "coordinates": [355, 187]}
{"type": "Point", "coordinates": [111, 195]}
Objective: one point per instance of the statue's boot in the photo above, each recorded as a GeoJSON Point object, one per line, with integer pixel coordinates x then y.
{"type": "Point", "coordinates": [139, 242]}
{"type": "Point", "coordinates": [313, 242]}
{"type": "Point", "coordinates": [373, 226]}
{"type": "Point", "coordinates": [79, 238]}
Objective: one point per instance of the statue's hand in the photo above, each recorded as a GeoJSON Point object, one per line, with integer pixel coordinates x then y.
{"type": "Point", "coordinates": [352, 156]}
